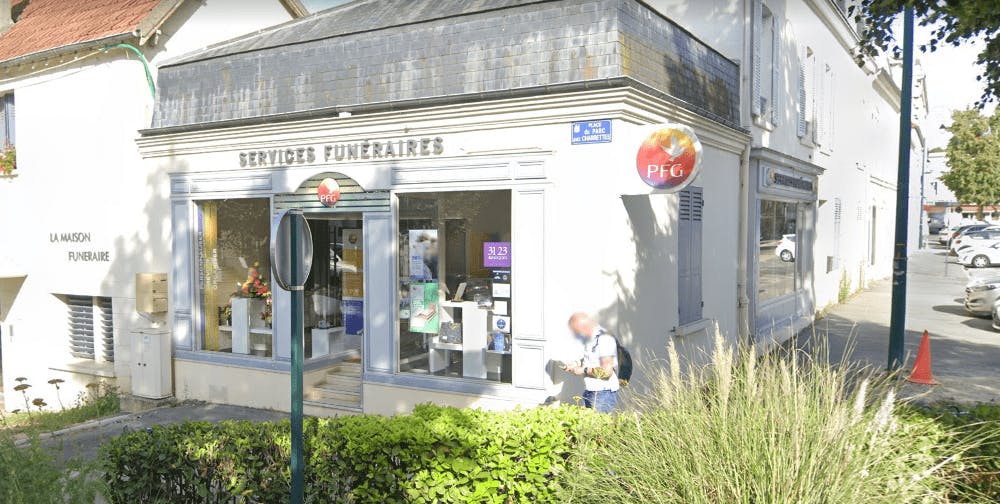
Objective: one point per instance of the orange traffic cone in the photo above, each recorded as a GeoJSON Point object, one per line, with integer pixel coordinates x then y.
{"type": "Point", "coordinates": [922, 366]}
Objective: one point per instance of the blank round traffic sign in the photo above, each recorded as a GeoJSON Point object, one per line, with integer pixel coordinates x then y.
{"type": "Point", "coordinates": [281, 250]}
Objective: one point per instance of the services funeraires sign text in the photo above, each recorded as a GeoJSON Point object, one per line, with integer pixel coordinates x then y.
{"type": "Point", "coordinates": [384, 149]}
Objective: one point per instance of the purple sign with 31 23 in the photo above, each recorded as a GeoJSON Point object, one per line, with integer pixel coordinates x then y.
{"type": "Point", "coordinates": [496, 254]}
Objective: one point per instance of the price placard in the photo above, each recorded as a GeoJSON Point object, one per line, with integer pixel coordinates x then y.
{"type": "Point", "coordinates": [496, 254]}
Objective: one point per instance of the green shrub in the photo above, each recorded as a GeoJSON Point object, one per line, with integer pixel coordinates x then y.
{"type": "Point", "coordinates": [978, 427]}
{"type": "Point", "coordinates": [776, 429]}
{"type": "Point", "coordinates": [31, 475]}
{"type": "Point", "coordinates": [844, 290]}
{"type": "Point", "coordinates": [437, 454]}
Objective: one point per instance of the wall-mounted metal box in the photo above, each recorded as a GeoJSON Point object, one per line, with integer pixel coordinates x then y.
{"type": "Point", "coordinates": [151, 292]}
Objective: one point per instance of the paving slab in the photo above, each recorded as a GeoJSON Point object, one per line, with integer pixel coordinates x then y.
{"type": "Point", "coordinates": [965, 350]}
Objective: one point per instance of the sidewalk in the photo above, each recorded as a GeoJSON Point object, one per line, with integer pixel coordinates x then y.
{"type": "Point", "coordinates": [965, 350]}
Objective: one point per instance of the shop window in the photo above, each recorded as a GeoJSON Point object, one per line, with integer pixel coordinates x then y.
{"type": "Point", "coordinates": [689, 251]}
{"type": "Point", "coordinates": [91, 327]}
{"type": "Point", "coordinates": [233, 276]}
{"type": "Point", "coordinates": [778, 249]}
{"type": "Point", "coordinates": [454, 315]}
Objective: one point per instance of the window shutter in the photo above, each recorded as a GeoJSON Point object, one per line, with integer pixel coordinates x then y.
{"type": "Point", "coordinates": [689, 255]}
{"type": "Point", "coordinates": [107, 329]}
{"type": "Point", "coordinates": [755, 35]}
{"type": "Point", "coordinates": [9, 117]}
{"type": "Point", "coordinates": [819, 106]}
{"type": "Point", "coordinates": [800, 129]}
{"type": "Point", "coordinates": [3, 121]}
{"type": "Point", "coordinates": [776, 67]}
{"type": "Point", "coordinates": [81, 326]}
{"type": "Point", "coordinates": [830, 106]}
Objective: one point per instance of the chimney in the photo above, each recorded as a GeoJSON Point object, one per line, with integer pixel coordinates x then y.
{"type": "Point", "coordinates": [5, 19]}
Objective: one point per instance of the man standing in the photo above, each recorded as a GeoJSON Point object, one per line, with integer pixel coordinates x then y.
{"type": "Point", "coordinates": [600, 358]}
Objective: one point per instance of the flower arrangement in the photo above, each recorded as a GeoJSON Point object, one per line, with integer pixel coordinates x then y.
{"type": "Point", "coordinates": [8, 160]}
{"type": "Point", "coordinates": [255, 287]}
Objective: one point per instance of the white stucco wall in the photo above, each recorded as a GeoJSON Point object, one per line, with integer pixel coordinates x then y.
{"type": "Point", "coordinates": [79, 171]}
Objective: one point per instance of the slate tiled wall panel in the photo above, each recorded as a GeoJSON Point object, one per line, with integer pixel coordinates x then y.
{"type": "Point", "coordinates": [523, 46]}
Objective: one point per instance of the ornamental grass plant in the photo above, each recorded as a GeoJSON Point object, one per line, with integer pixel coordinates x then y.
{"type": "Point", "coordinates": [785, 427]}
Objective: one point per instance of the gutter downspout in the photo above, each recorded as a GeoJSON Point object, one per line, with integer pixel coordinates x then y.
{"type": "Point", "coordinates": [742, 299]}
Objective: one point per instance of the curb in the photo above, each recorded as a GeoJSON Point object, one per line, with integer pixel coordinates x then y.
{"type": "Point", "coordinates": [24, 440]}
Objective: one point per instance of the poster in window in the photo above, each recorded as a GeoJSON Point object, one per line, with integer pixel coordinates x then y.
{"type": "Point", "coordinates": [423, 254]}
{"type": "Point", "coordinates": [424, 308]}
{"type": "Point", "coordinates": [354, 315]}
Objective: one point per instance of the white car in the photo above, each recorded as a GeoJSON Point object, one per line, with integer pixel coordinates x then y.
{"type": "Point", "coordinates": [996, 315]}
{"type": "Point", "coordinates": [982, 238]}
{"type": "Point", "coordinates": [786, 248]}
{"type": "Point", "coordinates": [980, 256]}
{"type": "Point", "coordinates": [982, 295]}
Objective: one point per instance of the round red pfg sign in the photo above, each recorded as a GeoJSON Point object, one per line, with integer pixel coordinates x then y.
{"type": "Point", "coordinates": [328, 192]}
{"type": "Point", "coordinates": [669, 158]}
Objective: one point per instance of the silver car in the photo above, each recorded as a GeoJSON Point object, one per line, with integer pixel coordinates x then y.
{"type": "Point", "coordinates": [996, 315]}
{"type": "Point", "coordinates": [981, 295]}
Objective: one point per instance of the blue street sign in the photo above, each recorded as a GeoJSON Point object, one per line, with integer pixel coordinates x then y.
{"type": "Point", "coordinates": [591, 132]}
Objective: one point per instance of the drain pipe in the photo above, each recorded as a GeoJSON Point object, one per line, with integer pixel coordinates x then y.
{"type": "Point", "coordinates": [743, 300]}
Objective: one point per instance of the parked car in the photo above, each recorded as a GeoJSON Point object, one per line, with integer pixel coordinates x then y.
{"type": "Point", "coordinates": [980, 257]}
{"type": "Point", "coordinates": [935, 225]}
{"type": "Point", "coordinates": [786, 248]}
{"type": "Point", "coordinates": [981, 295]}
{"type": "Point", "coordinates": [996, 315]}
{"type": "Point", "coordinates": [987, 236]}
{"type": "Point", "coordinates": [963, 230]}
{"type": "Point", "coordinates": [946, 233]}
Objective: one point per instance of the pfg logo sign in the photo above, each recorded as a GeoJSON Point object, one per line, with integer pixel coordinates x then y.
{"type": "Point", "coordinates": [328, 192]}
{"type": "Point", "coordinates": [669, 158]}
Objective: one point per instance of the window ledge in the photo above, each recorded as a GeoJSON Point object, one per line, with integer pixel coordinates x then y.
{"type": "Point", "coordinates": [8, 176]}
{"type": "Point", "coordinates": [694, 328]}
{"type": "Point", "coordinates": [87, 367]}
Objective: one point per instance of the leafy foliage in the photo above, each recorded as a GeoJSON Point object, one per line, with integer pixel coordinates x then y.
{"type": "Point", "coordinates": [781, 428]}
{"type": "Point", "coordinates": [953, 22]}
{"type": "Point", "coordinates": [974, 157]}
{"type": "Point", "coordinates": [437, 454]}
{"type": "Point", "coordinates": [30, 475]}
{"type": "Point", "coordinates": [978, 479]}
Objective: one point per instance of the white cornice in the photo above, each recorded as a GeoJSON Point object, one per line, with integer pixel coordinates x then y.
{"type": "Point", "coordinates": [887, 87]}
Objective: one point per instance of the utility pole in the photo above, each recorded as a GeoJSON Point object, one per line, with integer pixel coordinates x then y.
{"type": "Point", "coordinates": [897, 324]}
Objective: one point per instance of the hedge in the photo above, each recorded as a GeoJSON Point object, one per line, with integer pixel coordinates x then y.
{"type": "Point", "coordinates": [436, 454]}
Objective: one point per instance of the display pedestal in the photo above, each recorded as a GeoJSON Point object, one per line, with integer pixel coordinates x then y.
{"type": "Point", "coordinates": [473, 346]}
{"type": "Point", "coordinates": [246, 315]}
{"type": "Point", "coordinates": [325, 341]}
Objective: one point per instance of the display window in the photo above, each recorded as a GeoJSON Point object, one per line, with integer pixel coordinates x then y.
{"type": "Point", "coordinates": [779, 251]}
{"type": "Point", "coordinates": [234, 286]}
{"type": "Point", "coordinates": [454, 267]}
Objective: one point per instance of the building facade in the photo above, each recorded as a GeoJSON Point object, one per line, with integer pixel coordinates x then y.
{"type": "Point", "coordinates": [68, 263]}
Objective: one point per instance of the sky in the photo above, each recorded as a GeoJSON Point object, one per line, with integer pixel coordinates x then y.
{"type": "Point", "coordinates": [951, 83]}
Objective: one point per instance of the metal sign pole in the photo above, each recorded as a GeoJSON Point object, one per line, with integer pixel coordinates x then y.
{"type": "Point", "coordinates": [296, 337]}
{"type": "Point", "coordinates": [897, 323]}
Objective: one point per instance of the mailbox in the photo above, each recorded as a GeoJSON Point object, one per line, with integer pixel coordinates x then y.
{"type": "Point", "coordinates": [151, 292]}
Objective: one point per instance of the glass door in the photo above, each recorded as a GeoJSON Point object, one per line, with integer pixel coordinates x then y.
{"type": "Point", "coordinates": [334, 292]}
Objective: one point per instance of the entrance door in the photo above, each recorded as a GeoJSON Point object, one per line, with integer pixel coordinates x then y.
{"type": "Point", "coordinates": [334, 293]}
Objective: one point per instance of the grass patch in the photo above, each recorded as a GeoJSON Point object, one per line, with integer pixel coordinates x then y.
{"type": "Point", "coordinates": [31, 475]}
{"type": "Point", "coordinates": [100, 402]}
{"type": "Point", "coordinates": [782, 428]}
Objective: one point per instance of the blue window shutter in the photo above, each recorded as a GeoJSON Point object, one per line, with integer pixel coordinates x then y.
{"type": "Point", "coordinates": [9, 106]}
{"type": "Point", "coordinates": [776, 68]}
{"type": "Point", "coordinates": [757, 13]}
{"type": "Point", "coordinates": [689, 231]}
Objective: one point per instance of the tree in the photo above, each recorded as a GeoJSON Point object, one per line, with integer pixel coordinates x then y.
{"type": "Point", "coordinates": [974, 157]}
{"type": "Point", "coordinates": [953, 22]}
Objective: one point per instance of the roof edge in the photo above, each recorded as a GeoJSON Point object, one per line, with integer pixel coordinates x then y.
{"type": "Point", "coordinates": [69, 48]}
{"type": "Point", "coordinates": [155, 19]}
